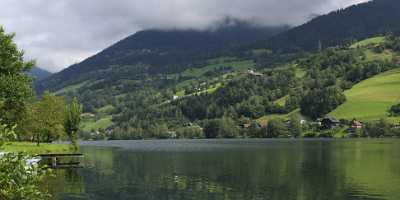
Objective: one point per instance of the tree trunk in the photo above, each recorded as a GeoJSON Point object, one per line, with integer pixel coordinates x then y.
{"type": "Point", "coordinates": [38, 139]}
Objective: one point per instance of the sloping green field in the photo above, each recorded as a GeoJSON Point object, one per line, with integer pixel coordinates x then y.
{"type": "Point", "coordinates": [371, 41]}
{"type": "Point", "coordinates": [372, 98]}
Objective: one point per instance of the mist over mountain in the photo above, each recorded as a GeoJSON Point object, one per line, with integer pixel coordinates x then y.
{"type": "Point", "coordinates": [168, 51]}
{"type": "Point", "coordinates": [39, 73]}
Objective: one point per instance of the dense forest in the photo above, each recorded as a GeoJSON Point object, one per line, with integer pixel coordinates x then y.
{"type": "Point", "coordinates": [248, 97]}
{"type": "Point", "coordinates": [338, 28]}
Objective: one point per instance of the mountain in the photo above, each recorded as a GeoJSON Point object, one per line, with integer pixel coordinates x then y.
{"type": "Point", "coordinates": [161, 79]}
{"type": "Point", "coordinates": [164, 51]}
{"type": "Point", "coordinates": [39, 73]}
{"type": "Point", "coordinates": [340, 27]}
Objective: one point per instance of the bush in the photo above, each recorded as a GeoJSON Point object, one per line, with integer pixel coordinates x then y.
{"type": "Point", "coordinates": [310, 134]}
{"type": "Point", "coordinates": [395, 110]}
{"type": "Point", "coordinates": [220, 128]}
{"type": "Point", "coordinates": [327, 134]}
{"type": "Point", "coordinates": [17, 180]}
{"type": "Point", "coordinates": [193, 132]}
{"type": "Point", "coordinates": [277, 128]}
{"type": "Point", "coordinates": [377, 129]}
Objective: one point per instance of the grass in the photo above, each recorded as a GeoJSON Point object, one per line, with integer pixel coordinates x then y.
{"type": "Point", "coordinates": [92, 124]}
{"type": "Point", "coordinates": [384, 56]}
{"type": "Point", "coordinates": [282, 100]}
{"type": "Point", "coordinates": [236, 65]}
{"type": "Point", "coordinates": [372, 98]}
{"type": "Point", "coordinates": [300, 73]}
{"type": "Point", "coordinates": [371, 41]}
{"type": "Point", "coordinates": [70, 88]}
{"type": "Point", "coordinates": [106, 109]}
{"type": "Point", "coordinates": [264, 120]}
{"type": "Point", "coordinates": [32, 148]}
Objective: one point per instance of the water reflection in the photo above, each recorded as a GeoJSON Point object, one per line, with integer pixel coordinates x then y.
{"type": "Point", "coordinates": [237, 170]}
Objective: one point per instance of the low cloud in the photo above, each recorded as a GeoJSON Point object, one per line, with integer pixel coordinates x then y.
{"type": "Point", "coordinates": [62, 32]}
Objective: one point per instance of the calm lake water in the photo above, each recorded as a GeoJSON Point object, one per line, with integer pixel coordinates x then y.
{"type": "Point", "coordinates": [234, 169]}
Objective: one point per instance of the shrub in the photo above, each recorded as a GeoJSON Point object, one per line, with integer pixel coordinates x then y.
{"type": "Point", "coordinates": [277, 128]}
{"type": "Point", "coordinates": [18, 181]}
{"type": "Point", "coordinates": [395, 110]}
{"type": "Point", "coordinates": [193, 132]}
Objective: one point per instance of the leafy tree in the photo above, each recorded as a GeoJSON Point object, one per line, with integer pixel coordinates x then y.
{"type": "Point", "coordinates": [276, 128]}
{"type": "Point", "coordinates": [17, 180]}
{"type": "Point", "coordinates": [221, 128]}
{"type": "Point", "coordinates": [159, 130]}
{"type": "Point", "coordinates": [395, 110]}
{"type": "Point", "coordinates": [45, 119]}
{"type": "Point", "coordinates": [254, 131]}
{"type": "Point", "coordinates": [72, 120]}
{"type": "Point", "coordinates": [320, 102]}
{"type": "Point", "coordinates": [193, 132]}
{"type": "Point", "coordinates": [295, 128]}
{"type": "Point", "coordinates": [15, 84]}
{"type": "Point", "coordinates": [377, 129]}
{"type": "Point", "coordinates": [6, 134]}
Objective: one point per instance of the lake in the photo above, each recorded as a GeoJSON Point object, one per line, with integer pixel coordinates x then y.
{"type": "Point", "coordinates": [234, 169]}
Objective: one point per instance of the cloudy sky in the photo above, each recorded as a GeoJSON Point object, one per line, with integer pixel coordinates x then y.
{"type": "Point", "coordinates": [58, 33]}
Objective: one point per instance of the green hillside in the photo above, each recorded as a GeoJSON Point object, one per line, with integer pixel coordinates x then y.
{"type": "Point", "coordinates": [367, 42]}
{"type": "Point", "coordinates": [371, 99]}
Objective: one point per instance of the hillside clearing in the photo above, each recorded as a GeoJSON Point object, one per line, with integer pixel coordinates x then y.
{"type": "Point", "coordinates": [372, 98]}
{"type": "Point", "coordinates": [91, 124]}
{"type": "Point", "coordinates": [371, 41]}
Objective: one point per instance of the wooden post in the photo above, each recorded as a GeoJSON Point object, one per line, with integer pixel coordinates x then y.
{"type": "Point", "coordinates": [54, 161]}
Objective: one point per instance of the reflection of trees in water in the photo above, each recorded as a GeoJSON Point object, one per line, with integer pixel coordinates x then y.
{"type": "Point", "coordinates": [309, 170]}
{"type": "Point", "coordinates": [65, 182]}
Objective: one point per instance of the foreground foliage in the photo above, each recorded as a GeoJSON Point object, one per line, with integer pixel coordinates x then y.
{"type": "Point", "coordinates": [18, 181]}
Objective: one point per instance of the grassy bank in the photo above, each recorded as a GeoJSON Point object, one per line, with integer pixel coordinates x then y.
{"type": "Point", "coordinates": [32, 148]}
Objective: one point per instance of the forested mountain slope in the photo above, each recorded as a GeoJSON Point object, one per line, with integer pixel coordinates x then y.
{"type": "Point", "coordinates": [155, 52]}
{"type": "Point", "coordinates": [39, 73]}
{"type": "Point", "coordinates": [155, 81]}
{"type": "Point", "coordinates": [340, 27]}
{"type": "Point", "coordinates": [313, 86]}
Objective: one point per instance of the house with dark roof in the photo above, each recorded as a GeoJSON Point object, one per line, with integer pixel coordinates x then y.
{"type": "Point", "coordinates": [329, 123]}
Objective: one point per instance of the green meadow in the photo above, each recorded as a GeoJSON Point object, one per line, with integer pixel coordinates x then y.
{"type": "Point", "coordinates": [369, 42]}
{"type": "Point", "coordinates": [32, 148]}
{"type": "Point", "coordinates": [372, 98]}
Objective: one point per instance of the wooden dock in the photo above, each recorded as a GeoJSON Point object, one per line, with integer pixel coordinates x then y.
{"type": "Point", "coordinates": [54, 160]}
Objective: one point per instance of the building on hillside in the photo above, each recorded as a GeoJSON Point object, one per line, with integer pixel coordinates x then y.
{"type": "Point", "coordinates": [329, 123]}
{"type": "Point", "coordinates": [175, 97]}
{"type": "Point", "coordinates": [356, 124]}
{"type": "Point", "coordinates": [88, 115]}
{"type": "Point", "coordinates": [245, 126]}
{"type": "Point", "coordinates": [252, 72]}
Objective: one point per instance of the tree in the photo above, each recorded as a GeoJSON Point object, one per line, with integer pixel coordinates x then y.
{"type": "Point", "coordinates": [72, 120]}
{"type": "Point", "coordinates": [211, 128]}
{"type": "Point", "coordinates": [395, 110]}
{"type": "Point", "coordinates": [377, 129]}
{"type": "Point", "coordinates": [45, 118]}
{"type": "Point", "coordinates": [15, 84]}
{"type": "Point", "coordinates": [159, 130]}
{"type": "Point", "coordinates": [221, 128]}
{"type": "Point", "coordinates": [6, 134]}
{"type": "Point", "coordinates": [319, 102]}
{"type": "Point", "coordinates": [18, 181]}
{"type": "Point", "coordinates": [295, 128]}
{"type": "Point", "coordinates": [276, 128]}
